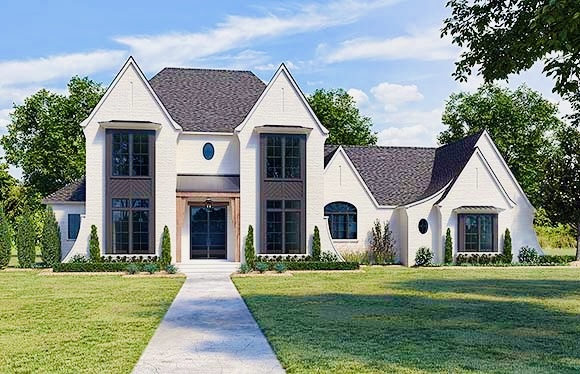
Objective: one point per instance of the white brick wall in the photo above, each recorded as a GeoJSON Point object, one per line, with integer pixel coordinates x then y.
{"type": "Point", "coordinates": [190, 158]}
{"type": "Point", "coordinates": [61, 212]}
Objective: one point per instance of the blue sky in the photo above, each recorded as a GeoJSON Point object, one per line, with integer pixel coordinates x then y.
{"type": "Point", "coordinates": [386, 53]}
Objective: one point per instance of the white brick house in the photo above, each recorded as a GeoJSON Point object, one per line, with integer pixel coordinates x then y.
{"type": "Point", "coordinates": [208, 153]}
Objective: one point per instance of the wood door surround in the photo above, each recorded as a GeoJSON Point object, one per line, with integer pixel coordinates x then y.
{"type": "Point", "coordinates": [183, 199]}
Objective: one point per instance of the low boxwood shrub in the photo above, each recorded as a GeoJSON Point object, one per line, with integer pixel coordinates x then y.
{"type": "Point", "coordinates": [132, 269]}
{"type": "Point", "coordinates": [423, 257]}
{"type": "Point", "coordinates": [171, 269]}
{"type": "Point", "coordinates": [262, 267]}
{"type": "Point", "coordinates": [528, 255]}
{"type": "Point", "coordinates": [556, 259]}
{"type": "Point", "coordinates": [280, 267]}
{"type": "Point", "coordinates": [319, 265]}
{"type": "Point", "coordinates": [151, 268]}
{"type": "Point", "coordinates": [97, 266]}
{"type": "Point", "coordinates": [245, 268]}
{"type": "Point", "coordinates": [279, 258]}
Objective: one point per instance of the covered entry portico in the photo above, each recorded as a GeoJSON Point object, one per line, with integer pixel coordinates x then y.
{"type": "Point", "coordinates": [208, 218]}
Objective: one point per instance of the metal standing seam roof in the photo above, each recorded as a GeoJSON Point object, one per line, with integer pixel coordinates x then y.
{"type": "Point", "coordinates": [207, 100]}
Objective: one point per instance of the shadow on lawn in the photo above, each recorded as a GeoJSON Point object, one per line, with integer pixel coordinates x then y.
{"type": "Point", "coordinates": [390, 333]}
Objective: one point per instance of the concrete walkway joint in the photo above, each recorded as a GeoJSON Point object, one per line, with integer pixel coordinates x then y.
{"type": "Point", "coordinates": [208, 329]}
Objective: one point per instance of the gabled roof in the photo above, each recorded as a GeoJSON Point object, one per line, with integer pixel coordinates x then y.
{"type": "Point", "coordinates": [207, 100]}
{"type": "Point", "coordinates": [403, 175]}
{"type": "Point", "coordinates": [72, 192]}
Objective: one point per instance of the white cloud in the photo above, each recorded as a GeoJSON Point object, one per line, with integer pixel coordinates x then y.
{"type": "Point", "coordinates": [410, 128]}
{"type": "Point", "coordinates": [4, 120]}
{"type": "Point", "coordinates": [392, 96]}
{"type": "Point", "coordinates": [425, 45]}
{"type": "Point", "coordinates": [45, 69]}
{"type": "Point", "coordinates": [238, 31]}
{"type": "Point", "coordinates": [359, 96]}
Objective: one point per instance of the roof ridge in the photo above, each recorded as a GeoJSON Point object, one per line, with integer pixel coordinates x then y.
{"type": "Point", "coordinates": [384, 146]}
{"type": "Point", "coordinates": [206, 69]}
{"type": "Point", "coordinates": [475, 135]}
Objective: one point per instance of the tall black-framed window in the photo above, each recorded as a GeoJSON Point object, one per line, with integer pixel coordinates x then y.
{"type": "Point", "coordinates": [74, 225]}
{"type": "Point", "coordinates": [478, 232]}
{"type": "Point", "coordinates": [131, 225]}
{"type": "Point", "coordinates": [283, 227]}
{"type": "Point", "coordinates": [341, 220]}
{"type": "Point", "coordinates": [283, 156]}
{"type": "Point", "coordinates": [130, 192]}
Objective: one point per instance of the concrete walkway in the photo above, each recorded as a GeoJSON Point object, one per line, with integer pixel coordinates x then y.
{"type": "Point", "coordinates": [208, 329]}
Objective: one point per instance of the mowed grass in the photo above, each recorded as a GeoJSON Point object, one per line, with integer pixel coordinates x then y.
{"type": "Point", "coordinates": [438, 320]}
{"type": "Point", "coordinates": [78, 324]}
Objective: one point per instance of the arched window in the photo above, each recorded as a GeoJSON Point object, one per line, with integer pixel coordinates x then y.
{"type": "Point", "coordinates": [341, 219]}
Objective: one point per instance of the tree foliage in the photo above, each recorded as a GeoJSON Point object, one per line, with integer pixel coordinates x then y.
{"type": "Point", "coordinates": [316, 250]}
{"type": "Point", "coordinates": [5, 239]}
{"type": "Point", "coordinates": [249, 250]}
{"type": "Point", "coordinates": [44, 137]}
{"type": "Point", "coordinates": [337, 111]}
{"type": "Point", "coordinates": [50, 245]}
{"type": "Point", "coordinates": [94, 246]}
{"type": "Point", "coordinates": [520, 122]}
{"type": "Point", "coordinates": [507, 37]}
{"type": "Point", "coordinates": [26, 239]}
{"type": "Point", "coordinates": [165, 248]}
{"type": "Point", "coordinates": [562, 184]}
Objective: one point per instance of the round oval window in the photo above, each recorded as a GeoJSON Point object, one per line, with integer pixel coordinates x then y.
{"type": "Point", "coordinates": [208, 151]}
{"type": "Point", "coordinates": [423, 226]}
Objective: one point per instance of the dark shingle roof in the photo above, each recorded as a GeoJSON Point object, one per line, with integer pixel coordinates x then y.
{"type": "Point", "coordinates": [207, 100]}
{"type": "Point", "coordinates": [74, 191]}
{"type": "Point", "coordinates": [402, 175]}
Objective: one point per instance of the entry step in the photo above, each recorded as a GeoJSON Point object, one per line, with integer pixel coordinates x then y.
{"type": "Point", "coordinates": [209, 266]}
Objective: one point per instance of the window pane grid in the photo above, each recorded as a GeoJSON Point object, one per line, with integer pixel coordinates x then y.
{"type": "Point", "coordinates": [479, 233]}
{"type": "Point", "coordinates": [341, 220]}
{"type": "Point", "coordinates": [283, 156]}
{"type": "Point", "coordinates": [131, 226]}
{"type": "Point", "coordinates": [283, 226]}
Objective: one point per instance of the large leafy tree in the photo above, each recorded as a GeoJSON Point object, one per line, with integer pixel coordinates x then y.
{"type": "Point", "coordinates": [562, 183]}
{"type": "Point", "coordinates": [506, 37]}
{"type": "Point", "coordinates": [521, 123]}
{"type": "Point", "coordinates": [44, 137]}
{"type": "Point", "coordinates": [337, 111]}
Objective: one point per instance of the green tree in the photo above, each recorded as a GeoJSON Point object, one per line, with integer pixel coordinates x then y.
{"type": "Point", "coordinates": [45, 138]}
{"type": "Point", "coordinates": [26, 239]}
{"type": "Point", "coordinates": [448, 247]}
{"type": "Point", "coordinates": [5, 239]}
{"type": "Point", "coordinates": [316, 250]}
{"type": "Point", "coordinates": [94, 246]}
{"type": "Point", "coordinates": [249, 251]}
{"type": "Point", "coordinates": [562, 183]}
{"type": "Point", "coordinates": [521, 123]}
{"type": "Point", "coordinates": [337, 111]}
{"type": "Point", "coordinates": [500, 38]}
{"type": "Point", "coordinates": [507, 246]}
{"type": "Point", "coordinates": [165, 248]}
{"type": "Point", "coordinates": [50, 245]}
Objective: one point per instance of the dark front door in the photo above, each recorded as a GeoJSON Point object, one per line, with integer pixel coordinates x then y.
{"type": "Point", "coordinates": [208, 232]}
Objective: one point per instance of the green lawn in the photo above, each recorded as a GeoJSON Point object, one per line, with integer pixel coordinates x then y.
{"type": "Point", "coordinates": [457, 320]}
{"type": "Point", "coordinates": [78, 324]}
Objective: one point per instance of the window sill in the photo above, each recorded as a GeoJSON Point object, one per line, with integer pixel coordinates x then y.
{"type": "Point", "coordinates": [478, 253]}
{"type": "Point", "coordinates": [345, 240]}
{"type": "Point", "coordinates": [71, 240]}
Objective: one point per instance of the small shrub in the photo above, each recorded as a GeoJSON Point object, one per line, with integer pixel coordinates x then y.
{"type": "Point", "coordinates": [132, 269]}
{"type": "Point", "coordinates": [50, 241]}
{"type": "Point", "coordinates": [26, 240]}
{"type": "Point", "coordinates": [99, 266]}
{"type": "Point", "coordinates": [171, 269]}
{"type": "Point", "coordinates": [507, 246]}
{"type": "Point", "coordinates": [262, 267]}
{"type": "Point", "coordinates": [316, 244]}
{"type": "Point", "coordinates": [318, 265]}
{"type": "Point", "coordinates": [556, 259]}
{"type": "Point", "coordinates": [151, 268]}
{"type": "Point", "coordinates": [165, 248]}
{"type": "Point", "coordinates": [327, 257]}
{"type": "Point", "coordinates": [528, 255]}
{"type": "Point", "coordinates": [5, 239]}
{"type": "Point", "coordinates": [448, 247]}
{"type": "Point", "coordinates": [94, 246]}
{"type": "Point", "coordinates": [249, 250]}
{"type": "Point", "coordinates": [245, 268]}
{"type": "Point", "coordinates": [280, 267]}
{"type": "Point", "coordinates": [382, 250]}
{"type": "Point", "coordinates": [79, 259]}
{"type": "Point", "coordinates": [423, 257]}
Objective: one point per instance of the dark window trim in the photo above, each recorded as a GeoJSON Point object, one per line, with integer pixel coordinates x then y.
{"type": "Point", "coordinates": [74, 236]}
{"type": "Point", "coordinates": [461, 232]}
{"type": "Point", "coordinates": [128, 181]}
{"type": "Point", "coordinates": [331, 216]}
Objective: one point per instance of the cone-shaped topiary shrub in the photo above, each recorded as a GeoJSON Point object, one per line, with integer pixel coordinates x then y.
{"type": "Point", "coordinates": [507, 247]}
{"type": "Point", "coordinates": [448, 247]}
{"type": "Point", "coordinates": [5, 239]}
{"type": "Point", "coordinates": [50, 245]}
{"type": "Point", "coordinates": [165, 248]}
{"type": "Point", "coordinates": [249, 250]}
{"type": "Point", "coordinates": [26, 239]}
{"type": "Point", "coordinates": [316, 244]}
{"type": "Point", "coordinates": [94, 246]}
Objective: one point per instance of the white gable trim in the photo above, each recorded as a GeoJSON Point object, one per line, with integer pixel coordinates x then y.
{"type": "Point", "coordinates": [131, 62]}
{"type": "Point", "coordinates": [341, 150]}
{"type": "Point", "coordinates": [281, 69]}
{"type": "Point", "coordinates": [506, 167]}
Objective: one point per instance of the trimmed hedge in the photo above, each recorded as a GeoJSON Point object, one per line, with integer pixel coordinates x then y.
{"type": "Point", "coordinates": [501, 260]}
{"type": "Point", "coordinates": [91, 267]}
{"type": "Point", "coordinates": [314, 265]}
